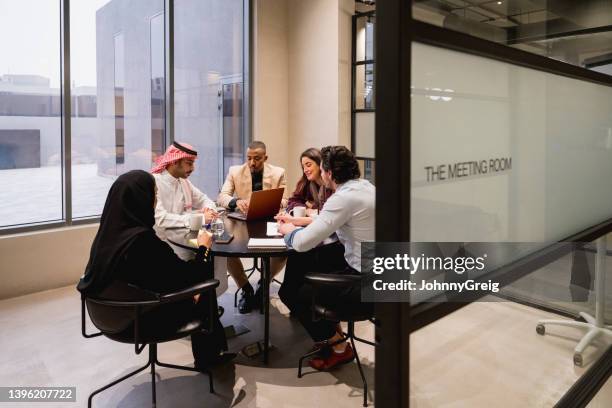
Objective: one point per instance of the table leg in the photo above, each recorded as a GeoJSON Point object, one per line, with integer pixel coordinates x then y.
{"type": "Point", "coordinates": [265, 277]}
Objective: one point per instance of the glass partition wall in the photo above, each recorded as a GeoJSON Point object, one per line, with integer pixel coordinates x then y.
{"type": "Point", "coordinates": [494, 122]}
{"type": "Point", "coordinates": [111, 59]}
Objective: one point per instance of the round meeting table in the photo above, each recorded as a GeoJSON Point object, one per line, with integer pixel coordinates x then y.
{"type": "Point", "coordinates": [242, 232]}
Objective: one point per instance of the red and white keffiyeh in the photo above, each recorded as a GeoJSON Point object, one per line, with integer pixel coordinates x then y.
{"type": "Point", "coordinates": [174, 152]}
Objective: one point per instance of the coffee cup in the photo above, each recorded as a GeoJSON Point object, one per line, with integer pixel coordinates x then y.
{"type": "Point", "coordinates": [299, 211]}
{"type": "Point", "coordinates": [195, 221]}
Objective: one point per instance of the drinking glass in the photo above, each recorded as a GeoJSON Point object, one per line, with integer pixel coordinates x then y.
{"type": "Point", "coordinates": [217, 226]}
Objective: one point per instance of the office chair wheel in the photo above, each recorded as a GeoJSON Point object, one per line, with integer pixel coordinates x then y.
{"type": "Point", "coordinates": [578, 360]}
{"type": "Point", "coordinates": [540, 329]}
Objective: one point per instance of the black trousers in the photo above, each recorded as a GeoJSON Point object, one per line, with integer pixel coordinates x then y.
{"type": "Point", "coordinates": [205, 346]}
{"type": "Point", "coordinates": [298, 296]}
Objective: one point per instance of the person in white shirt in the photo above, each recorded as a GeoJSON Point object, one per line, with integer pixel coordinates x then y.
{"type": "Point", "coordinates": [177, 198]}
{"type": "Point", "coordinates": [350, 213]}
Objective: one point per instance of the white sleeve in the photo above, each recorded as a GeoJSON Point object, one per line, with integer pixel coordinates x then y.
{"type": "Point", "coordinates": [165, 219]}
{"type": "Point", "coordinates": [200, 200]}
{"type": "Point", "coordinates": [335, 213]}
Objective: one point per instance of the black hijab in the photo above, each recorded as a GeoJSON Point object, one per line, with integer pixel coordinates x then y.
{"type": "Point", "coordinates": [128, 213]}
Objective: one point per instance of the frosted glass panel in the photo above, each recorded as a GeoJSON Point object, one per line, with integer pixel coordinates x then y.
{"type": "Point", "coordinates": [364, 134]}
{"type": "Point", "coordinates": [505, 153]}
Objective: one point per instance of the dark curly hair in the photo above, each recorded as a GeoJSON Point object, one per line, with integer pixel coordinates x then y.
{"type": "Point", "coordinates": [341, 162]}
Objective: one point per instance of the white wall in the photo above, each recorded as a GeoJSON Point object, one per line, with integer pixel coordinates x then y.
{"type": "Point", "coordinates": [270, 89]}
{"type": "Point", "coordinates": [32, 262]}
{"type": "Point", "coordinates": [302, 77]}
{"type": "Point", "coordinates": [346, 9]}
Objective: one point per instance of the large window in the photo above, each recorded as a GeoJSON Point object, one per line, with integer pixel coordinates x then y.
{"type": "Point", "coordinates": [30, 112]}
{"type": "Point", "coordinates": [209, 85]}
{"type": "Point", "coordinates": [119, 60]}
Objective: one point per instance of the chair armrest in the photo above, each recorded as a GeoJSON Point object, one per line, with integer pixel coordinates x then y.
{"type": "Point", "coordinates": [123, 303]}
{"type": "Point", "coordinates": [185, 293]}
{"type": "Point", "coordinates": [329, 279]}
{"type": "Point", "coordinates": [145, 297]}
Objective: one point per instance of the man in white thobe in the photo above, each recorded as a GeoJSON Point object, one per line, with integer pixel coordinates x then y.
{"type": "Point", "coordinates": [177, 198]}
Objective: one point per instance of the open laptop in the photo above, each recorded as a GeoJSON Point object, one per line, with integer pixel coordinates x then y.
{"type": "Point", "coordinates": [263, 204]}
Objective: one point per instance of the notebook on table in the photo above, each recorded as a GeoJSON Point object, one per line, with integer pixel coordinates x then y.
{"type": "Point", "coordinates": [271, 243]}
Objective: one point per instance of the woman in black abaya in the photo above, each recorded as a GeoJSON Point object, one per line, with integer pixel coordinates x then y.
{"type": "Point", "coordinates": [126, 250]}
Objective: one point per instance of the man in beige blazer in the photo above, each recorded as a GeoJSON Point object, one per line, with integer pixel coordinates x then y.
{"type": "Point", "coordinates": [235, 194]}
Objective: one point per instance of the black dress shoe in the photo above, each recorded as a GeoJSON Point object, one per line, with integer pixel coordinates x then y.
{"type": "Point", "coordinates": [258, 298]}
{"type": "Point", "coordinates": [221, 359]}
{"type": "Point", "coordinates": [245, 304]}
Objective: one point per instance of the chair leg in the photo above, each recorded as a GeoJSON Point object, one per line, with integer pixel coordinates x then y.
{"type": "Point", "coordinates": [152, 358]}
{"type": "Point", "coordinates": [210, 382]}
{"type": "Point", "coordinates": [312, 353]}
{"type": "Point", "coordinates": [364, 341]}
{"type": "Point", "coordinates": [99, 390]}
{"type": "Point", "coordinates": [365, 384]}
{"type": "Point", "coordinates": [178, 367]}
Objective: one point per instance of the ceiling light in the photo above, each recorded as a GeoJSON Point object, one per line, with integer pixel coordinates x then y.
{"type": "Point", "coordinates": [499, 2]}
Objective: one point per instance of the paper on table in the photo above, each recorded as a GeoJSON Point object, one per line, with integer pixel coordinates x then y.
{"type": "Point", "coordinates": [266, 243]}
{"type": "Point", "coordinates": [272, 229]}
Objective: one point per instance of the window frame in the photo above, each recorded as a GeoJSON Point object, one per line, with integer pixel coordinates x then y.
{"type": "Point", "coordinates": [66, 109]}
{"type": "Point", "coordinates": [354, 63]}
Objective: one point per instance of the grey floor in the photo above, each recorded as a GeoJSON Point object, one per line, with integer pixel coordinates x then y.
{"type": "Point", "coordinates": [554, 286]}
{"type": "Point", "coordinates": [487, 354]}
{"type": "Point", "coordinates": [41, 345]}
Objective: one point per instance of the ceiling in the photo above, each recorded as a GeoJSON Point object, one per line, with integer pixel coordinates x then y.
{"type": "Point", "coordinates": [570, 30]}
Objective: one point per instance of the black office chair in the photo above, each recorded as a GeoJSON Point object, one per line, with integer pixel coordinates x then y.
{"type": "Point", "coordinates": [349, 313]}
{"type": "Point", "coordinates": [124, 319]}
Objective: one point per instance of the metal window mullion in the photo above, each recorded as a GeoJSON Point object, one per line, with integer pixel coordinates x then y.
{"type": "Point", "coordinates": [353, 80]}
{"type": "Point", "coordinates": [169, 70]}
{"type": "Point", "coordinates": [66, 99]}
{"type": "Point", "coordinates": [247, 69]}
